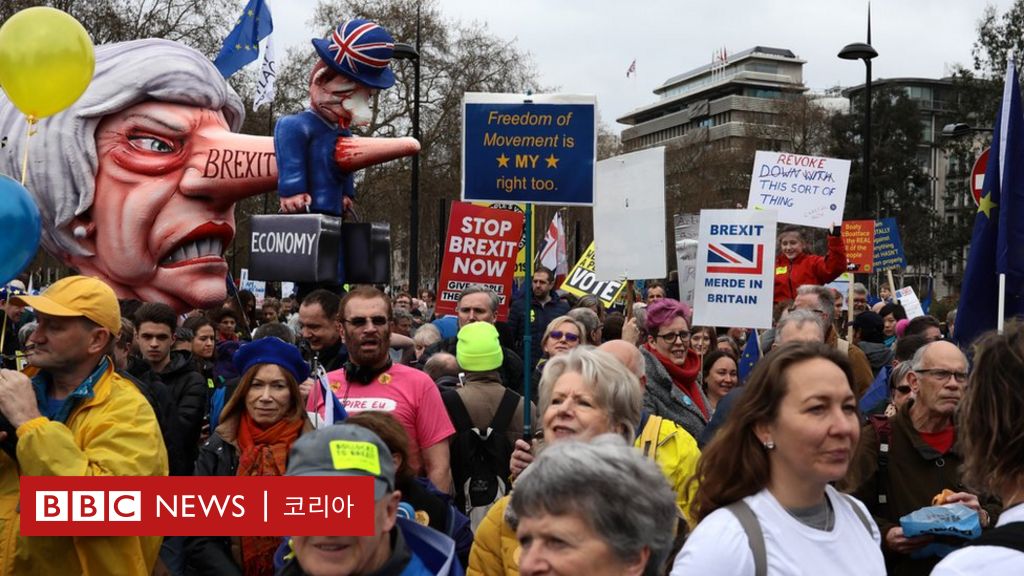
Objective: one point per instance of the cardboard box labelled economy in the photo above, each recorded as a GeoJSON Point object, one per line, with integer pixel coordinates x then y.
{"type": "Point", "coordinates": [629, 209]}
{"type": "Point", "coordinates": [519, 148]}
{"type": "Point", "coordinates": [582, 280]}
{"type": "Point", "coordinates": [805, 190]}
{"type": "Point", "coordinates": [735, 268]}
{"type": "Point", "coordinates": [859, 240]}
{"type": "Point", "coordinates": [521, 209]}
{"type": "Point", "coordinates": [481, 249]}
{"type": "Point", "coordinates": [888, 246]}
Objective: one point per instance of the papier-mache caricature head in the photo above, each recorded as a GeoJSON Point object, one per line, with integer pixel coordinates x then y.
{"type": "Point", "coordinates": [136, 182]}
{"type": "Point", "coordinates": [354, 62]}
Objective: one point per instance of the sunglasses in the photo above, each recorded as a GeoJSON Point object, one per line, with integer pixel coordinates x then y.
{"type": "Point", "coordinates": [903, 389]}
{"type": "Point", "coordinates": [568, 336]}
{"type": "Point", "coordinates": [364, 320]}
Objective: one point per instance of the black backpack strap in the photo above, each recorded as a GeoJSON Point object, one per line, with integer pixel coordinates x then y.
{"type": "Point", "coordinates": [755, 537]}
{"type": "Point", "coordinates": [1007, 536]}
{"type": "Point", "coordinates": [883, 429]}
{"type": "Point", "coordinates": [457, 410]}
{"type": "Point", "coordinates": [506, 410]}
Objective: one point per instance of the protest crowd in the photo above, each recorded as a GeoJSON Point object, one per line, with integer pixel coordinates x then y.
{"type": "Point", "coordinates": [775, 416]}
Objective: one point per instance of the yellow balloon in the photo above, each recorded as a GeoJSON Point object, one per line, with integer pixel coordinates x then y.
{"type": "Point", "coordinates": [46, 60]}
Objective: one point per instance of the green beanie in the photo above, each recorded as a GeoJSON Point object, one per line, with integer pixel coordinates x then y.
{"type": "Point", "coordinates": [478, 349]}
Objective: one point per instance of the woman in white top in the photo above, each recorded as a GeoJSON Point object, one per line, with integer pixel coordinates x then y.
{"type": "Point", "coordinates": [990, 430]}
{"type": "Point", "coordinates": [793, 431]}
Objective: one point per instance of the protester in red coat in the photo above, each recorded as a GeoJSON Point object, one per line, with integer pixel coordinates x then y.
{"type": "Point", "coordinates": [794, 266]}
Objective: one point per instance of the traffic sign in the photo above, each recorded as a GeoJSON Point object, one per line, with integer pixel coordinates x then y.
{"type": "Point", "coordinates": [978, 175]}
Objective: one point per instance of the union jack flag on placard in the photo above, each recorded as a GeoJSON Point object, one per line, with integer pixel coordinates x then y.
{"type": "Point", "coordinates": [735, 258]}
{"type": "Point", "coordinates": [350, 48]}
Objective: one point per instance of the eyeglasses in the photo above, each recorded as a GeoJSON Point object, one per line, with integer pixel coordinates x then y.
{"type": "Point", "coordinates": [681, 336]}
{"type": "Point", "coordinates": [904, 389]}
{"type": "Point", "coordinates": [569, 336]}
{"type": "Point", "coordinates": [363, 320]}
{"type": "Point", "coordinates": [943, 375]}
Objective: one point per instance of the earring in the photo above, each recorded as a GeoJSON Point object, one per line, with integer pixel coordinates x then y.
{"type": "Point", "coordinates": [79, 231]}
{"type": "Point", "coordinates": [769, 445]}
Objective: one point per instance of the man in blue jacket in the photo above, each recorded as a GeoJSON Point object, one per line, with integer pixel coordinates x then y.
{"type": "Point", "coordinates": [399, 546]}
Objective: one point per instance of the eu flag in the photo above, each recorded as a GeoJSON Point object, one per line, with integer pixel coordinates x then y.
{"type": "Point", "coordinates": [751, 354]}
{"type": "Point", "coordinates": [242, 45]}
{"type": "Point", "coordinates": [997, 245]}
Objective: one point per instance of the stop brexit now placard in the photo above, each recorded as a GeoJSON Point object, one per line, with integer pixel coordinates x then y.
{"type": "Point", "coordinates": [481, 248]}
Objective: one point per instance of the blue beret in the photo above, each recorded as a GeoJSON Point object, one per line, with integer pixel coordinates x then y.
{"type": "Point", "coordinates": [272, 350]}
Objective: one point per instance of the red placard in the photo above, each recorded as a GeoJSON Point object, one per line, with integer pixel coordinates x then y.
{"type": "Point", "coordinates": [197, 505]}
{"type": "Point", "coordinates": [859, 239]}
{"type": "Point", "coordinates": [481, 248]}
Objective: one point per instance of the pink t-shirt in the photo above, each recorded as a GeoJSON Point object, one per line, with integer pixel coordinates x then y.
{"type": "Point", "coordinates": [407, 394]}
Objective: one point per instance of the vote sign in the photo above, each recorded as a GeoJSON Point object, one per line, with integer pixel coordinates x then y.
{"type": "Point", "coordinates": [481, 248]}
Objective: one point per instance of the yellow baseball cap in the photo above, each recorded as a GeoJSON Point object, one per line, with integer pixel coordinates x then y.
{"type": "Point", "coordinates": [78, 296]}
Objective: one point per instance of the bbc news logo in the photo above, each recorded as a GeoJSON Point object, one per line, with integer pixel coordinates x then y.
{"type": "Point", "coordinates": [88, 506]}
{"type": "Point", "coordinates": [197, 505]}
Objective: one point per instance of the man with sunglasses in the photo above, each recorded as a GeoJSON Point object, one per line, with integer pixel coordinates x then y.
{"type": "Point", "coordinates": [920, 456]}
{"type": "Point", "coordinates": [370, 381]}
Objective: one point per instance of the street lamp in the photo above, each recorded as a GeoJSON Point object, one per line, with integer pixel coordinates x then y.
{"type": "Point", "coordinates": [862, 51]}
{"type": "Point", "coordinates": [404, 51]}
{"type": "Point", "coordinates": [960, 129]}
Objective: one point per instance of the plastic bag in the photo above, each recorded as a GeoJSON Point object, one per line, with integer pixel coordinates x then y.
{"type": "Point", "coordinates": [946, 520]}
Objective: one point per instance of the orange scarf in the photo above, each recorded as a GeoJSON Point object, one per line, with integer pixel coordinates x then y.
{"type": "Point", "coordinates": [263, 452]}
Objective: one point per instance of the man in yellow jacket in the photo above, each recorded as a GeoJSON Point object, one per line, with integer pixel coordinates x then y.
{"type": "Point", "coordinates": [74, 416]}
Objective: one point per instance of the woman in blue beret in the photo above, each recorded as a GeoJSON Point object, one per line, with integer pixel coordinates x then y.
{"type": "Point", "coordinates": [258, 426]}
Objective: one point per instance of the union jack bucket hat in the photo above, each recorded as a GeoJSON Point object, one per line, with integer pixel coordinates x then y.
{"type": "Point", "coordinates": [361, 50]}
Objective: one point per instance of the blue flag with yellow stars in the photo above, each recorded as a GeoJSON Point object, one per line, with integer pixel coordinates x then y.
{"type": "Point", "coordinates": [751, 354]}
{"type": "Point", "coordinates": [242, 45]}
{"type": "Point", "coordinates": [997, 245]}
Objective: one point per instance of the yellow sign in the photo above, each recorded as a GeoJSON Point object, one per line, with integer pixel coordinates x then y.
{"type": "Point", "coordinates": [515, 207]}
{"type": "Point", "coordinates": [352, 455]}
{"type": "Point", "coordinates": [582, 281]}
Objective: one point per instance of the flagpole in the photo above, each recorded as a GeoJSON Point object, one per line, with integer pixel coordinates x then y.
{"type": "Point", "coordinates": [1002, 303]}
{"type": "Point", "coordinates": [527, 313]}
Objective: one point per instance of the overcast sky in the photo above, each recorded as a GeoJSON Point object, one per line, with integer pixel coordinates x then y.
{"type": "Point", "coordinates": [585, 46]}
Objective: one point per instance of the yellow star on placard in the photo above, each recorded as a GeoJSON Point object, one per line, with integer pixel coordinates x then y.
{"type": "Point", "coordinates": [986, 205]}
{"type": "Point", "coordinates": [552, 161]}
{"type": "Point", "coordinates": [238, 46]}
{"type": "Point", "coordinates": [502, 161]}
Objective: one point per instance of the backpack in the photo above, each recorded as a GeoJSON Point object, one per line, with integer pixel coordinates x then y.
{"type": "Point", "coordinates": [480, 458]}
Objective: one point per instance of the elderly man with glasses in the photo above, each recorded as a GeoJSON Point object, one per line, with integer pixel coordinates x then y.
{"type": "Point", "coordinates": [818, 299]}
{"type": "Point", "coordinates": [902, 464]}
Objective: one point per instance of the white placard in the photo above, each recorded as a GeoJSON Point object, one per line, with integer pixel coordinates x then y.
{"type": "Point", "coordinates": [911, 304]}
{"type": "Point", "coordinates": [687, 228]}
{"type": "Point", "coordinates": [629, 216]}
{"type": "Point", "coordinates": [735, 269]}
{"type": "Point", "coordinates": [805, 190]}
{"type": "Point", "coordinates": [257, 287]}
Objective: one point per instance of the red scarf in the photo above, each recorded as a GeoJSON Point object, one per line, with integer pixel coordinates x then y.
{"type": "Point", "coordinates": [685, 376]}
{"type": "Point", "coordinates": [263, 452]}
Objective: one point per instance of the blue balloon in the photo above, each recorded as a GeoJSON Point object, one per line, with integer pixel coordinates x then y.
{"type": "Point", "coordinates": [19, 228]}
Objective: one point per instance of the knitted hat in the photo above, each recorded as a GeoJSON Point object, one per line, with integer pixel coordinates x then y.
{"type": "Point", "coordinates": [478, 349]}
{"type": "Point", "coordinates": [272, 350]}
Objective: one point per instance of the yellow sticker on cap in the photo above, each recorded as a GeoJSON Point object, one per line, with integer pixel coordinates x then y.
{"type": "Point", "coordinates": [781, 269]}
{"type": "Point", "coordinates": [353, 455]}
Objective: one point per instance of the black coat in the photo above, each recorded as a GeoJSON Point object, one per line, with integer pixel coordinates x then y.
{"type": "Point", "coordinates": [213, 555]}
{"type": "Point", "coordinates": [187, 390]}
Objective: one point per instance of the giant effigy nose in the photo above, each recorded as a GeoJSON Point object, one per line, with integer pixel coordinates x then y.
{"type": "Point", "coordinates": [354, 153]}
{"type": "Point", "coordinates": [227, 167]}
